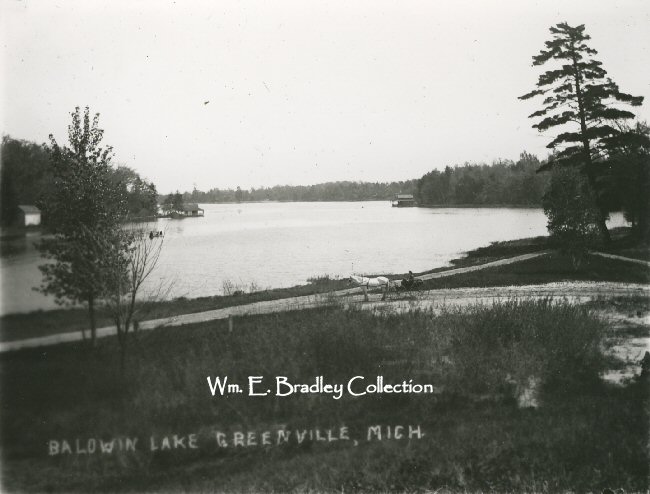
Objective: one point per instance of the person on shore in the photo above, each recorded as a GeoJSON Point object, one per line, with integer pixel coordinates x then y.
{"type": "Point", "coordinates": [408, 281]}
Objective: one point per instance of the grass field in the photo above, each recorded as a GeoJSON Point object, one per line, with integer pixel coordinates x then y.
{"type": "Point", "coordinates": [585, 436]}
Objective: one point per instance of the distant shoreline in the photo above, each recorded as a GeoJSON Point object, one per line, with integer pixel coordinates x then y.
{"type": "Point", "coordinates": [479, 206]}
{"type": "Point", "coordinates": [426, 206]}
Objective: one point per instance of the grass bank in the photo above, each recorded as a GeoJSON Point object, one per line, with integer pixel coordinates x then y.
{"type": "Point", "coordinates": [586, 435]}
{"type": "Point", "coordinates": [550, 268]}
{"type": "Point", "coordinates": [623, 244]}
{"type": "Point", "coordinates": [42, 323]}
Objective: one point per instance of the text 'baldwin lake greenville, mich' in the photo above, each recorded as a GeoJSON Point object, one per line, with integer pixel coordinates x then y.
{"type": "Point", "coordinates": [219, 439]}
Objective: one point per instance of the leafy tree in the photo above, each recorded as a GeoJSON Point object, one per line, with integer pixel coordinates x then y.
{"type": "Point", "coordinates": [142, 197]}
{"type": "Point", "coordinates": [579, 95]}
{"type": "Point", "coordinates": [84, 210]}
{"type": "Point", "coordinates": [8, 198]}
{"type": "Point", "coordinates": [572, 212]}
{"type": "Point", "coordinates": [173, 202]}
{"type": "Point", "coordinates": [630, 170]}
{"type": "Point", "coordinates": [468, 187]}
{"type": "Point", "coordinates": [167, 204]}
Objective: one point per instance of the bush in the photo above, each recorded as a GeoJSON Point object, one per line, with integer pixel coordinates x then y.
{"type": "Point", "coordinates": [570, 206]}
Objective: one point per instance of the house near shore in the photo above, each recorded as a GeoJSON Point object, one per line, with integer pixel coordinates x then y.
{"type": "Point", "coordinates": [403, 201]}
{"type": "Point", "coordinates": [29, 215]}
{"type": "Point", "coordinates": [191, 209]}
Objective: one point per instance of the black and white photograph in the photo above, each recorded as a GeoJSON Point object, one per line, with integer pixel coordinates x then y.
{"type": "Point", "coordinates": [325, 246]}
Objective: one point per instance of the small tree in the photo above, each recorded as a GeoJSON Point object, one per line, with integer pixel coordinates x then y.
{"type": "Point", "coordinates": [570, 206]}
{"type": "Point", "coordinates": [166, 206]}
{"type": "Point", "coordinates": [173, 203]}
{"type": "Point", "coordinates": [177, 202]}
{"type": "Point", "coordinates": [128, 267]}
{"type": "Point", "coordinates": [579, 95]}
{"type": "Point", "coordinates": [84, 209]}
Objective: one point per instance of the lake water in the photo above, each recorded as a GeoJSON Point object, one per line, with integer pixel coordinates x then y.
{"type": "Point", "coordinates": [261, 245]}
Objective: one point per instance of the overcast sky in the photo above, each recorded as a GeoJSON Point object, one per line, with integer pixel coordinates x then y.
{"type": "Point", "coordinates": [259, 93]}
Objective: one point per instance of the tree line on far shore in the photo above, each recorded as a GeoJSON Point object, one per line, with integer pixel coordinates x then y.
{"type": "Point", "coordinates": [27, 178]}
{"type": "Point", "coordinates": [328, 191]}
{"type": "Point", "coordinates": [502, 182]}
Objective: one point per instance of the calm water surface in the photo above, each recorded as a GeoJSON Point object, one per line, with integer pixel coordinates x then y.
{"type": "Point", "coordinates": [283, 244]}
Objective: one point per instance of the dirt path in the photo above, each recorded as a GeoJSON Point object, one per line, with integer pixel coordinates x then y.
{"type": "Point", "coordinates": [621, 258]}
{"type": "Point", "coordinates": [572, 291]}
{"type": "Point", "coordinates": [468, 269]}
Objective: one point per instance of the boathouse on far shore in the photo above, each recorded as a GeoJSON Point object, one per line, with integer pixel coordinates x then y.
{"type": "Point", "coordinates": [403, 201]}
{"type": "Point", "coordinates": [192, 209]}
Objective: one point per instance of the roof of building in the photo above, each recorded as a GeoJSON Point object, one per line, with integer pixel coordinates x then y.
{"type": "Point", "coordinates": [191, 207]}
{"type": "Point", "coordinates": [29, 209]}
{"type": "Point", "coordinates": [403, 196]}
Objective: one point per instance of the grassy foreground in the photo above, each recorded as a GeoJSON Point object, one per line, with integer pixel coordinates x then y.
{"type": "Point", "coordinates": [585, 436]}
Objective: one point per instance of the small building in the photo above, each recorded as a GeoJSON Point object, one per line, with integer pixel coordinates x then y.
{"type": "Point", "coordinates": [403, 201]}
{"type": "Point", "coordinates": [29, 215]}
{"type": "Point", "coordinates": [191, 209]}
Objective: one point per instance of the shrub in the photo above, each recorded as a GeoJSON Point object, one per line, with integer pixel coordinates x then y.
{"type": "Point", "coordinates": [570, 206]}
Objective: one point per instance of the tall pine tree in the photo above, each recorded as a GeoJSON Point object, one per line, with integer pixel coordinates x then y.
{"type": "Point", "coordinates": [581, 100]}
